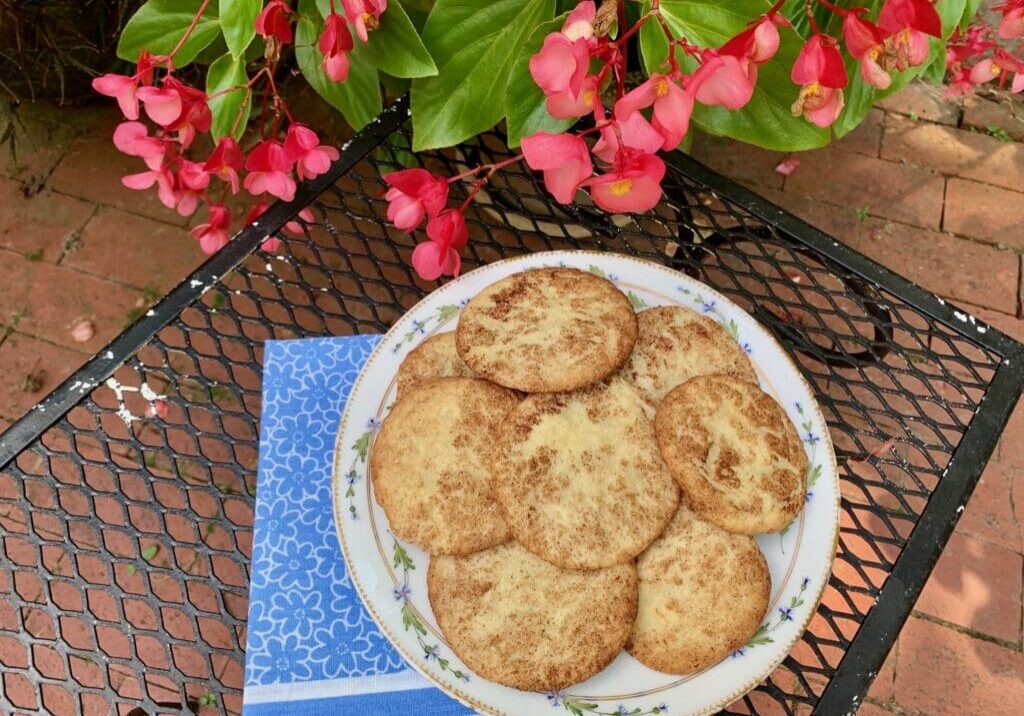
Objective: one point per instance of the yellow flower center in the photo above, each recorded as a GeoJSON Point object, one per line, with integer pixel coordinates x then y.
{"type": "Point", "coordinates": [661, 87]}
{"type": "Point", "coordinates": [588, 97]}
{"type": "Point", "coordinates": [622, 187]}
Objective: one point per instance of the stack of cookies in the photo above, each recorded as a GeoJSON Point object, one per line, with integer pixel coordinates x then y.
{"type": "Point", "coordinates": [586, 479]}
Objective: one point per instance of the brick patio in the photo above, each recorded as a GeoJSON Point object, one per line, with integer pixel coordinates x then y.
{"type": "Point", "coordinates": [932, 190]}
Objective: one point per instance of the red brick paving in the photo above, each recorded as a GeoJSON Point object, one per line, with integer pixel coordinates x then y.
{"type": "Point", "coordinates": [944, 206]}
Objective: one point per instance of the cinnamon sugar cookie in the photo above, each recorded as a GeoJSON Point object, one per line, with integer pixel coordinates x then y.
{"type": "Point", "coordinates": [518, 620]}
{"type": "Point", "coordinates": [735, 453]}
{"type": "Point", "coordinates": [579, 477]}
{"type": "Point", "coordinates": [429, 465]}
{"type": "Point", "coordinates": [546, 330]}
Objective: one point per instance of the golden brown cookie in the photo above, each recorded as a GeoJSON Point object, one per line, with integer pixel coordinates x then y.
{"type": "Point", "coordinates": [429, 465]}
{"type": "Point", "coordinates": [735, 453]}
{"type": "Point", "coordinates": [703, 594]}
{"type": "Point", "coordinates": [547, 330]}
{"type": "Point", "coordinates": [675, 344]}
{"type": "Point", "coordinates": [520, 621]}
{"type": "Point", "coordinates": [435, 357]}
{"type": "Point", "coordinates": [579, 477]}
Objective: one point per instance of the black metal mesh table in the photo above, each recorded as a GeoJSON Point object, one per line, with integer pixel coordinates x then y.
{"type": "Point", "coordinates": [126, 542]}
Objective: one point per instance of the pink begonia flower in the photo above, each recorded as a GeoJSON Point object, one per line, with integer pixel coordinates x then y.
{"type": "Point", "coordinates": [865, 42]}
{"type": "Point", "coordinates": [564, 160]}
{"type": "Point", "coordinates": [632, 186]}
{"type": "Point", "coordinates": [163, 179]}
{"type": "Point", "coordinates": [364, 14]}
{"type": "Point", "coordinates": [564, 59]}
{"type": "Point", "coordinates": [561, 65]}
{"type": "Point", "coordinates": [414, 193]}
{"type": "Point", "coordinates": [673, 106]}
{"type": "Point", "coordinates": [133, 139]}
{"type": "Point", "coordinates": [579, 23]}
{"type": "Point", "coordinates": [1018, 83]}
{"type": "Point", "coordinates": [163, 104]}
{"type": "Point", "coordinates": [190, 181]}
{"type": "Point", "coordinates": [273, 21]}
{"type": "Point", "coordinates": [636, 133]}
{"type": "Point", "coordinates": [449, 227]}
{"type": "Point", "coordinates": [269, 168]}
{"type": "Point", "coordinates": [562, 105]}
{"type": "Point", "coordinates": [909, 22]}
{"type": "Point", "coordinates": [213, 235]}
{"type": "Point", "coordinates": [433, 259]}
{"type": "Point", "coordinates": [820, 72]}
{"type": "Point", "coordinates": [439, 256]}
{"type": "Point", "coordinates": [225, 161]}
{"type": "Point", "coordinates": [984, 71]}
{"type": "Point", "coordinates": [724, 80]}
{"type": "Point", "coordinates": [272, 243]}
{"type": "Point", "coordinates": [335, 43]}
{"type": "Point", "coordinates": [1012, 24]}
{"type": "Point", "coordinates": [122, 88]}
{"type": "Point", "coordinates": [760, 41]}
{"type": "Point", "coordinates": [195, 112]}
{"type": "Point", "coordinates": [303, 147]}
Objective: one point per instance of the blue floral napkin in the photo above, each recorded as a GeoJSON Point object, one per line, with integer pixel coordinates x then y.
{"type": "Point", "coordinates": [312, 647]}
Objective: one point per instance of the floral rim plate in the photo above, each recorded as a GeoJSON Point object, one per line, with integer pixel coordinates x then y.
{"type": "Point", "coordinates": [391, 575]}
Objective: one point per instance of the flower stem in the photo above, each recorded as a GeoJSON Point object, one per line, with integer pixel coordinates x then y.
{"type": "Point", "coordinates": [188, 31]}
{"type": "Point", "coordinates": [832, 8]}
{"type": "Point", "coordinates": [810, 17]}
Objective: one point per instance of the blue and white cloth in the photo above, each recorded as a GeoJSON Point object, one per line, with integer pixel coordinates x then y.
{"type": "Point", "coordinates": [312, 647]}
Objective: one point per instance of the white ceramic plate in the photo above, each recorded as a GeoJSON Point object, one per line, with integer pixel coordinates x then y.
{"type": "Point", "coordinates": [391, 576]}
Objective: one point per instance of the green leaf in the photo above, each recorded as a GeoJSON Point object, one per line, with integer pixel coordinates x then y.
{"type": "Point", "coordinates": [597, 271]}
{"type": "Point", "coordinates": [158, 25]}
{"type": "Point", "coordinates": [228, 72]}
{"type": "Point", "coordinates": [970, 11]}
{"type": "Point", "coordinates": [474, 43]}
{"type": "Point", "coordinates": [447, 311]}
{"type": "Point", "coordinates": [150, 552]}
{"type": "Point", "coordinates": [767, 120]}
{"type": "Point", "coordinates": [525, 104]}
{"type": "Point", "coordinates": [362, 445]}
{"type": "Point", "coordinates": [238, 23]}
{"type": "Point", "coordinates": [358, 97]}
{"type": "Point", "coordinates": [638, 303]}
{"type": "Point", "coordinates": [395, 47]}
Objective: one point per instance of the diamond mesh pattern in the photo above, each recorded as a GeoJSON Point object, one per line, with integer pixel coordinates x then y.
{"type": "Point", "coordinates": [125, 549]}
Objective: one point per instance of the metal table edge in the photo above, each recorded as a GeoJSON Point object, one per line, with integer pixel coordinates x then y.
{"type": "Point", "coordinates": [937, 308]}
{"type": "Point", "coordinates": [878, 632]}
{"type": "Point", "coordinates": [109, 358]}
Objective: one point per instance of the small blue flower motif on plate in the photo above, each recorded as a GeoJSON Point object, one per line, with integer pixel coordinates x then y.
{"type": "Point", "coordinates": [786, 613]}
{"type": "Point", "coordinates": [661, 708]}
{"type": "Point", "coordinates": [804, 583]}
{"type": "Point", "coordinates": [555, 698]}
{"type": "Point", "coordinates": [463, 302]}
{"type": "Point", "coordinates": [419, 327]}
{"type": "Point", "coordinates": [621, 711]}
{"type": "Point", "coordinates": [747, 348]}
{"type": "Point", "coordinates": [739, 652]}
{"type": "Point", "coordinates": [430, 652]}
{"type": "Point", "coordinates": [799, 408]}
{"type": "Point", "coordinates": [373, 424]}
{"type": "Point", "coordinates": [352, 477]}
{"type": "Point", "coordinates": [811, 438]}
{"type": "Point", "coordinates": [402, 593]}
{"type": "Point", "coordinates": [708, 306]}
{"type": "Point", "coordinates": [683, 289]}
{"type": "Point", "coordinates": [808, 496]}
{"type": "Point", "coordinates": [613, 278]}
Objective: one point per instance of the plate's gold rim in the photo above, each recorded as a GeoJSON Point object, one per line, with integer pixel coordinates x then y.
{"type": "Point", "coordinates": [336, 480]}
